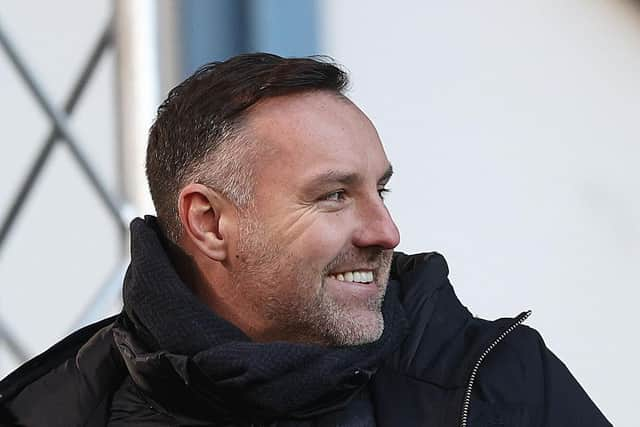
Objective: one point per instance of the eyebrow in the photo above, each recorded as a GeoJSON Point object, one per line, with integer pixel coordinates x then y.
{"type": "Point", "coordinates": [344, 178]}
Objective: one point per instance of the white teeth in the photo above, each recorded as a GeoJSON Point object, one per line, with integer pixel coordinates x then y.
{"type": "Point", "coordinates": [354, 276]}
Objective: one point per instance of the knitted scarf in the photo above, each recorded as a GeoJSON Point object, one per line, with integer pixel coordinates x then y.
{"type": "Point", "coordinates": [269, 379]}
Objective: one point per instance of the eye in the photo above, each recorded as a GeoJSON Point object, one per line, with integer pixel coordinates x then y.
{"type": "Point", "coordinates": [382, 191]}
{"type": "Point", "coordinates": [334, 196]}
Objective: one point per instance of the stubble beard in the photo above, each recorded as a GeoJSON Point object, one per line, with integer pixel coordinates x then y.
{"type": "Point", "coordinates": [286, 291]}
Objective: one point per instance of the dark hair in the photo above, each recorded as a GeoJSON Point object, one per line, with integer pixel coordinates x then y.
{"type": "Point", "coordinates": [200, 121]}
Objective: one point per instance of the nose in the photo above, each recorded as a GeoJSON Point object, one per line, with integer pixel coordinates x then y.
{"type": "Point", "coordinates": [377, 227]}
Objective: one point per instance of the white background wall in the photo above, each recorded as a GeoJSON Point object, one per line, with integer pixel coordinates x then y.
{"type": "Point", "coordinates": [513, 128]}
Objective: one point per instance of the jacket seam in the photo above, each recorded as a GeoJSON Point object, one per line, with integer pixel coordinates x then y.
{"type": "Point", "coordinates": [422, 380]}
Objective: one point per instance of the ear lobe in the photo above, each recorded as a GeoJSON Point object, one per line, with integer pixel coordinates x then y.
{"type": "Point", "coordinates": [201, 210]}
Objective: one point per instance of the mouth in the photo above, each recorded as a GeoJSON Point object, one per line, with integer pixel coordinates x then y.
{"type": "Point", "coordinates": [355, 276]}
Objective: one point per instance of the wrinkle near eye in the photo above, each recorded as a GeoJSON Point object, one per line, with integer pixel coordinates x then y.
{"type": "Point", "coordinates": [294, 224]}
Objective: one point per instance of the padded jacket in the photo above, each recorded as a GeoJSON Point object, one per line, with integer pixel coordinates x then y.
{"type": "Point", "coordinates": [451, 369]}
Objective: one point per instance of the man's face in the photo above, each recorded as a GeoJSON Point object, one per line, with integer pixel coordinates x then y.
{"type": "Point", "coordinates": [315, 250]}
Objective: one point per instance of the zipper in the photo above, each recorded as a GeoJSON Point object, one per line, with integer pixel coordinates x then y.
{"type": "Point", "coordinates": [467, 396]}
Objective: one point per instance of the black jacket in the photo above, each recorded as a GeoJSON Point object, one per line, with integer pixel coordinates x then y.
{"type": "Point", "coordinates": [167, 360]}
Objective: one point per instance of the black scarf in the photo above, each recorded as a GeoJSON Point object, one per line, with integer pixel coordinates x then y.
{"type": "Point", "coordinates": [218, 365]}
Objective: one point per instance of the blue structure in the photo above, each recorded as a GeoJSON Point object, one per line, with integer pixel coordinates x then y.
{"type": "Point", "coordinates": [217, 29]}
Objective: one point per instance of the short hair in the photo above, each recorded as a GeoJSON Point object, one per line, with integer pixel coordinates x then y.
{"type": "Point", "coordinates": [196, 136]}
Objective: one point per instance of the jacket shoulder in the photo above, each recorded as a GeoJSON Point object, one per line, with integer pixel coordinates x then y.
{"type": "Point", "coordinates": [68, 384]}
{"type": "Point", "coordinates": [44, 362]}
{"type": "Point", "coordinates": [523, 371]}
{"type": "Point", "coordinates": [514, 370]}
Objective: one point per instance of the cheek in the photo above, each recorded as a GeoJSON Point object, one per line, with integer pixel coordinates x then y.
{"type": "Point", "coordinates": [323, 239]}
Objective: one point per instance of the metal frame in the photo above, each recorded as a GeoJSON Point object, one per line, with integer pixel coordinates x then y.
{"type": "Point", "coordinates": [118, 209]}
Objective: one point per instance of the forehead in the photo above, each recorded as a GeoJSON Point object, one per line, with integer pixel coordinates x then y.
{"type": "Point", "coordinates": [306, 134]}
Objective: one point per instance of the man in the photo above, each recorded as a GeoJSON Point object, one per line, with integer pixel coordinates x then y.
{"type": "Point", "coordinates": [266, 291]}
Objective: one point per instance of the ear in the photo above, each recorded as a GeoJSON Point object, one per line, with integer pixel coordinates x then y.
{"type": "Point", "coordinates": [206, 215]}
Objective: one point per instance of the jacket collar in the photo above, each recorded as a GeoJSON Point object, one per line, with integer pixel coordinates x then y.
{"type": "Point", "coordinates": [445, 340]}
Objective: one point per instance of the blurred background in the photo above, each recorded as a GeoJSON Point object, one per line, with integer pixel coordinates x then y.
{"type": "Point", "coordinates": [513, 128]}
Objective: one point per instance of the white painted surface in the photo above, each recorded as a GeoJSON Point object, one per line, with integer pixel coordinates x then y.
{"type": "Point", "coordinates": [514, 131]}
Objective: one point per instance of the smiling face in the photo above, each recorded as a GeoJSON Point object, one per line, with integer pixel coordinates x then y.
{"type": "Point", "coordinates": [314, 252]}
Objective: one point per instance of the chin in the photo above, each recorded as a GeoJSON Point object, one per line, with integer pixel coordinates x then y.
{"type": "Point", "coordinates": [362, 328]}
